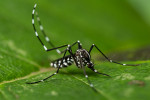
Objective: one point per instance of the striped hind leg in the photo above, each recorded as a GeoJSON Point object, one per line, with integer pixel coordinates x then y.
{"type": "Point", "coordinates": [46, 37]}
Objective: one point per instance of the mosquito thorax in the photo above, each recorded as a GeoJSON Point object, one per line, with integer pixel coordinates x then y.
{"type": "Point", "coordinates": [83, 56]}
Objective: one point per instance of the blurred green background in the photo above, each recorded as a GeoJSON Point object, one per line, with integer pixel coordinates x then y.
{"type": "Point", "coordinates": [114, 26]}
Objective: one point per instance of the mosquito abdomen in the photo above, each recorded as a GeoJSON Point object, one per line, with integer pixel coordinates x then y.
{"type": "Point", "coordinates": [67, 61]}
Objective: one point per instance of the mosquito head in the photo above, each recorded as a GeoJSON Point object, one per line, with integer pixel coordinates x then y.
{"type": "Point", "coordinates": [90, 65]}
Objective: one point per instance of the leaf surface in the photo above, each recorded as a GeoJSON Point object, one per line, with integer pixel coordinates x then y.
{"type": "Point", "coordinates": [111, 25]}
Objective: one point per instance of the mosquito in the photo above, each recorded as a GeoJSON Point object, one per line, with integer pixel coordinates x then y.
{"type": "Point", "coordinates": [81, 58]}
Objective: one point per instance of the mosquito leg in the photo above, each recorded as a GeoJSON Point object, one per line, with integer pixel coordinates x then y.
{"type": "Point", "coordinates": [42, 79]}
{"type": "Point", "coordinates": [37, 35]}
{"type": "Point", "coordinates": [86, 76]}
{"type": "Point", "coordinates": [50, 75]}
{"type": "Point", "coordinates": [73, 56]}
{"type": "Point", "coordinates": [109, 58]}
{"type": "Point", "coordinates": [99, 72]}
{"type": "Point", "coordinates": [79, 45]}
{"type": "Point", "coordinates": [43, 32]}
{"type": "Point", "coordinates": [70, 51]}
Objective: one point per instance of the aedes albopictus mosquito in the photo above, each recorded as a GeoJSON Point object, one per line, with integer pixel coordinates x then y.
{"type": "Point", "coordinates": [81, 57]}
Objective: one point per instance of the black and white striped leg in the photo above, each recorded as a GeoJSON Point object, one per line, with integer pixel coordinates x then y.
{"type": "Point", "coordinates": [47, 39]}
{"type": "Point", "coordinates": [42, 79]}
{"type": "Point", "coordinates": [70, 51]}
{"type": "Point", "coordinates": [109, 58]}
{"type": "Point", "coordinates": [79, 45]}
{"type": "Point", "coordinates": [50, 75]}
{"type": "Point", "coordinates": [98, 72]}
{"type": "Point", "coordinates": [86, 76]}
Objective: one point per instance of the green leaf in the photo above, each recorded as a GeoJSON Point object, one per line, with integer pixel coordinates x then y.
{"type": "Point", "coordinates": [111, 25]}
{"type": "Point", "coordinates": [71, 84]}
